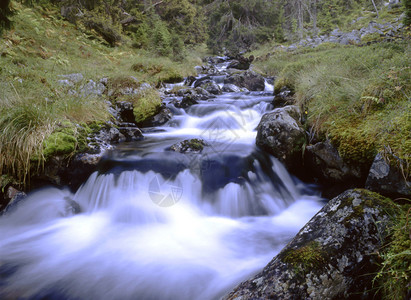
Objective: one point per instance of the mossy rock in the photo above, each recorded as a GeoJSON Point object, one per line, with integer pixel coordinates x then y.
{"type": "Point", "coordinates": [116, 85]}
{"type": "Point", "coordinates": [67, 140]}
{"type": "Point", "coordinates": [189, 146]}
{"type": "Point", "coordinates": [332, 257]}
{"type": "Point", "coordinates": [59, 143]}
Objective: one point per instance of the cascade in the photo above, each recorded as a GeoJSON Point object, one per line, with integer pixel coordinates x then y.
{"type": "Point", "coordinates": [158, 224]}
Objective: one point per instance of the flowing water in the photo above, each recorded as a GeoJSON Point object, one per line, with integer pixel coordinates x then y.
{"type": "Point", "coordinates": [157, 224]}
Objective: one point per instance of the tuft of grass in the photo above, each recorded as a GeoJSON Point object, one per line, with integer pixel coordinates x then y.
{"type": "Point", "coordinates": [394, 276]}
{"type": "Point", "coordinates": [24, 126]}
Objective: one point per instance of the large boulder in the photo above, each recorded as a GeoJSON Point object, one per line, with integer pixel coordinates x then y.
{"type": "Point", "coordinates": [332, 257]}
{"type": "Point", "coordinates": [248, 79]}
{"type": "Point", "coordinates": [386, 178]}
{"type": "Point", "coordinates": [281, 134]}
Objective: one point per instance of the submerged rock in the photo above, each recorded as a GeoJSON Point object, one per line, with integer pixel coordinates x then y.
{"type": "Point", "coordinates": [332, 257]}
{"type": "Point", "coordinates": [231, 88]}
{"type": "Point", "coordinates": [210, 86]}
{"type": "Point", "coordinates": [281, 134]}
{"type": "Point", "coordinates": [191, 146]}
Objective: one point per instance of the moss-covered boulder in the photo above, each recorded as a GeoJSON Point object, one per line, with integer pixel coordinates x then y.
{"type": "Point", "coordinates": [332, 257]}
{"type": "Point", "coordinates": [281, 134]}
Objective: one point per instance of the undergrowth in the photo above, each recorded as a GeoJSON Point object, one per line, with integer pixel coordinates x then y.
{"type": "Point", "coordinates": [39, 117]}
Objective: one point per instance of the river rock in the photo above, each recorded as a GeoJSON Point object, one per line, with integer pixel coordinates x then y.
{"type": "Point", "coordinates": [332, 257]}
{"type": "Point", "coordinates": [325, 164]}
{"type": "Point", "coordinates": [281, 134]}
{"type": "Point", "coordinates": [248, 79]}
{"type": "Point", "coordinates": [387, 179]}
{"type": "Point", "coordinates": [210, 86]}
{"type": "Point", "coordinates": [131, 133]}
{"type": "Point", "coordinates": [162, 117]}
{"type": "Point", "coordinates": [125, 111]}
{"type": "Point", "coordinates": [283, 98]}
{"type": "Point", "coordinates": [240, 62]}
{"type": "Point", "coordinates": [187, 101]}
{"type": "Point", "coordinates": [11, 198]}
{"type": "Point", "coordinates": [191, 146]}
{"type": "Point", "coordinates": [231, 88]}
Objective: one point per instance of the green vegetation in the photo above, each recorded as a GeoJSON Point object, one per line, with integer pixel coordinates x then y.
{"type": "Point", "coordinates": [395, 272]}
{"type": "Point", "coordinates": [146, 104]}
{"type": "Point", "coordinates": [358, 97]}
{"type": "Point", "coordinates": [39, 117]}
{"type": "Point", "coordinates": [5, 13]}
{"type": "Point", "coordinates": [306, 257]}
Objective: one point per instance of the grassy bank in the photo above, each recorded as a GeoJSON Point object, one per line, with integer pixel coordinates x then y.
{"type": "Point", "coordinates": [38, 115]}
{"type": "Point", "coordinates": [358, 97]}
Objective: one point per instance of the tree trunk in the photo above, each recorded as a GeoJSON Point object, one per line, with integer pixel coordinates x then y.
{"type": "Point", "coordinates": [300, 19]}
{"type": "Point", "coordinates": [375, 7]}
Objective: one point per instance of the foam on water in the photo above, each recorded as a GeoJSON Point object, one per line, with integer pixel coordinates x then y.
{"type": "Point", "coordinates": [193, 234]}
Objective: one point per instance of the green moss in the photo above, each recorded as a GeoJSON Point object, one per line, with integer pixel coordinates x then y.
{"type": "Point", "coordinates": [59, 143]}
{"type": "Point", "coordinates": [195, 144]}
{"type": "Point", "coordinates": [305, 258]}
{"type": "Point", "coordinates": [66, 140]}
{"type": "Point", "coordinates": [353, 145]}
{"type": "Point", "coordinates": [372, 199]}
{"type": "Point", "coordinates": [146, 104]}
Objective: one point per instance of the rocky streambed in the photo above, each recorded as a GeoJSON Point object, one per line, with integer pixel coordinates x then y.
{"type": "Point", "coordinates": [214, 154]}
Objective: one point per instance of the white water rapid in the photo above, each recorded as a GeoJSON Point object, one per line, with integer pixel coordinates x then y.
{"type": "Point", "coordinates": [156, 224]}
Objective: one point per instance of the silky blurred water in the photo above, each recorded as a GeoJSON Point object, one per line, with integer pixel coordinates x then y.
{"type": "Point", "coordinates": [160, 225]}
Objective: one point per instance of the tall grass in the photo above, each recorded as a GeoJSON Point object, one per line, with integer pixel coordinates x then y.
{"type": "Point", "coordinates": [26, 123]}
{"type": "Point", "coordinates": [356, 96]}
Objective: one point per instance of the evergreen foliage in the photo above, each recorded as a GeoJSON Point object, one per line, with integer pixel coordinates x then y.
{"type": "Point", "coordinates": [5, 13]}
